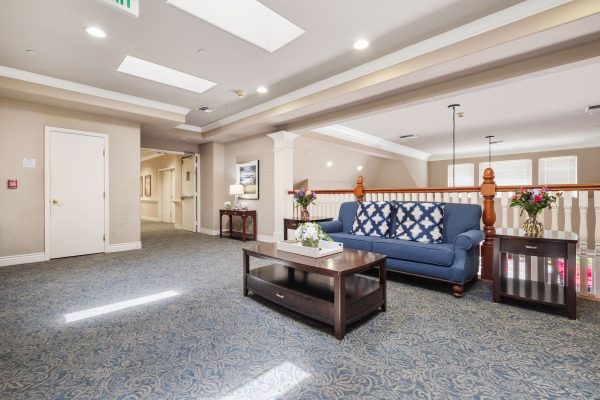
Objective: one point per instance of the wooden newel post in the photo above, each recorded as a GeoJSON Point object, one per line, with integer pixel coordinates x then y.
{"type": "Point", "coordinates": [488, 191]}
{"type": "Point", "coordinates": [359, 190]}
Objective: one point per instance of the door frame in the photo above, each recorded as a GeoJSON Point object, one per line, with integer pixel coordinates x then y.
{"type": "Point", "coordinates": [197, 213]}
{"type": "Point", "coordinates": [48, 130]}
{"type": "Point", "coordinates": [160, 194]}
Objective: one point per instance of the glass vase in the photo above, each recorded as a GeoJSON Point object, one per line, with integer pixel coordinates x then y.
{"type": "Point", "coordinates": [304, 214]}
{"type": "Point", "coordinates": [310, 243]}
{"type": "Point", "coordinates": [532, 226]}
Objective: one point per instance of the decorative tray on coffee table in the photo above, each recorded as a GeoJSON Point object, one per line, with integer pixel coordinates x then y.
{"type": "Point", "coordinates": [325, 248]}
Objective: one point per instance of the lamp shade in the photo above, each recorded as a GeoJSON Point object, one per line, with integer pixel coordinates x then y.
{"type": "Point", "coordinates": [236, 189]}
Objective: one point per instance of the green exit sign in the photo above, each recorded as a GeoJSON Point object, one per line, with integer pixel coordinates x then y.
{"type": "Point", "coordinates": [131, 7]}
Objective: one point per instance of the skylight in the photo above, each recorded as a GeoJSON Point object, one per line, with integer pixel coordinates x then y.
{"type": "Point", "coordinates": [247, 19]}
{"type": "Point", "coordinates": [167, 76]}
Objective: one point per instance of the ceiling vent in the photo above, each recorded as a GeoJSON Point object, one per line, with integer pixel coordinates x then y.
{"type": "Point", "coordinates": [407, 137]}
{"type": "Point", "coordinates": [207, 109]}
{"type": "Point", "coordinates": [593, 109]}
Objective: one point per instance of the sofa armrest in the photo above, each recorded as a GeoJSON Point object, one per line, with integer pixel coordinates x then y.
{"type": "Point", "coordinates": [468, 239]}
{"type": "Point", "coordinates": [332, 226]}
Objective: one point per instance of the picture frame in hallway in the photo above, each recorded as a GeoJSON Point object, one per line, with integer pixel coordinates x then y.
{"type": "Point", "coordinates": [247, 175]}
{"type": "Point", "coordinates": [148, 185]}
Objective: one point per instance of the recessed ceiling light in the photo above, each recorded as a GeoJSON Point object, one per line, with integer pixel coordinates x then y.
{"type": "Point", "coordinates": [31, 52]}
{"type": "Point", "coordinates": [207, 109]}
{"type": "Point", "coordinates": [251, 21]}
{"type": "Point", "coordinates": [361, 44]}
{"type": "Point", "coordinates": [95, 32]}
{"type": "Point", "coordinates": [359, 168]}
{"type": "Point", "coordinates": [158, 73]}
{"type": "Point", "coordinates": [329, 164]}
{"type": "Point", "coordinates": [262, 89]}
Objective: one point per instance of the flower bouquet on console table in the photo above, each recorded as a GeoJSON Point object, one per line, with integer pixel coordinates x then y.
{"type": "Point", "coordinates": [533, 202]}
{"type": "Point", "coordinates": [304, 198]}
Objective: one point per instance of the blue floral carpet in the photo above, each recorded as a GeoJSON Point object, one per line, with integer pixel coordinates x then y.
{"type": "Point", "coordinates": [170, 322]}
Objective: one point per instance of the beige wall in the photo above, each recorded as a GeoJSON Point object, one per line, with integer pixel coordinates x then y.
{"type": "Point", "coordinates": [150, 205]}
{"type": "Point", "coordinates": [22, 136]}
{"type": "Point", "coordinates": [588, 165]}
{"type": "Point", "coordinates": [310, 164]}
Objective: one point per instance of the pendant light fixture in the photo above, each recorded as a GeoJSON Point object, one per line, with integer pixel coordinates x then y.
{"type": "Point", "coordinates": [490, 143]}
{"type": "Point", "coordinates": [453, 107]}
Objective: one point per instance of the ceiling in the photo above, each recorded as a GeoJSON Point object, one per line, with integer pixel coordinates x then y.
{"type": "Point", "coordinates": [165, 35]}
{"type": "Point", "coordinates": [316, 79]}
{"type": "Point", "coordinates": [538, 111]}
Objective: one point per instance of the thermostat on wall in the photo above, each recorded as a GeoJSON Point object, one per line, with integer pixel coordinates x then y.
{"type": "Point", "coordinates": [12, 183]}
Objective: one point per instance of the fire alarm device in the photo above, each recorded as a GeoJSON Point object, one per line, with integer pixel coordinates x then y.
{"type": "Point", "coordinates": [12, 183]}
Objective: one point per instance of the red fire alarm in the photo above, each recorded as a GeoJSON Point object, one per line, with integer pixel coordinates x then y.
{"type": "Point", "coordinates": [12, 183]}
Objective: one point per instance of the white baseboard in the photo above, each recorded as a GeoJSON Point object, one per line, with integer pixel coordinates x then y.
{"type": "Point", "coordinates": [212, 232]}
{"type": "Point", "coordinates": [153, 219]}
{"type": "Point", "coordinates": [265, 238]}
{"type": "Point", "coordinates": [113, 248]}
{"type": "Point", "coordinates": [22, 259]}
{"type": "Point", "coordinates": [177, 226]}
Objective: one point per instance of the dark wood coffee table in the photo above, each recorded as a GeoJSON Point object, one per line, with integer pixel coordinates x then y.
{"type": "Point", "coordinates": [328, 289]}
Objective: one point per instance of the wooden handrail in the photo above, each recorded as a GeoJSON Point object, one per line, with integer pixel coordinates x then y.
{"type": "Point", "coordinates": [464, 189]}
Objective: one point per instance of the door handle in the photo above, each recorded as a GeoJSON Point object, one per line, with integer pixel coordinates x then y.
{"type": "Point", "coordinates": [55, 201]}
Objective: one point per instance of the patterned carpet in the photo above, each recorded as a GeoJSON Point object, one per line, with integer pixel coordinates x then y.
{"type": "Point", "coordinates": [205, 341]}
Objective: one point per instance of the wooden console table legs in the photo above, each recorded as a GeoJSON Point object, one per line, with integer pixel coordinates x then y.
{"type": "Point", "coordinates": [339, 306]}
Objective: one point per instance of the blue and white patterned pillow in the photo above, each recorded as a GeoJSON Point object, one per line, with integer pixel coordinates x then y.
{"type": "Point", "coordinates": [420, 222]}
{"type": "Point", "coordinates": [372, 219]}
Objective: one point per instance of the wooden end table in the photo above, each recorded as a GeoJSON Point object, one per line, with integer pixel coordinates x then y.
{"type": "Point", "coordinates": [305, 285]}
{"type": "Point", "coordinates": [550, 245]}
{"type": "Point", "coordinates": [293, 223]}
{"type": "Point", "coordinates": [244, 214]}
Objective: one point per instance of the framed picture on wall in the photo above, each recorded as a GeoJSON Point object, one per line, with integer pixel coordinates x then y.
{"type": "Point", "coordinates": [247, 176]}
{"type": "Point", "coordinates": [148, 186]}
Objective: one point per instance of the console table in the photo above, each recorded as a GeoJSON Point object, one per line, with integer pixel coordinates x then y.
{"type": "Point", "coordinates": [550, 245]}
{"type": "Point", "coordinates": [293, 223]}
{"type": "Point", "coordinates": [244, 214]}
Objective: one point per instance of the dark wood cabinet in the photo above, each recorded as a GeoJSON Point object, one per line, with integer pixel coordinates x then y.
{"type": "Point", "coordinates": [538, 253]}
{"type": "Point", "coordinates": [243, 214]}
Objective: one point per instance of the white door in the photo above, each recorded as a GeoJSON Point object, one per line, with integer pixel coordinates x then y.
{"type": "Point", "coordinates": [166, 190]}
{"type": "Point", "coordinates": [76, 175]}
{"type": "Point", "coordinates": [188, 194]}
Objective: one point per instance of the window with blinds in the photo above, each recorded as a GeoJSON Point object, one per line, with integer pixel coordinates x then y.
{"type": "Point", "coordinates": [464, 175]}
{"type": "Point", "coordinates": [557, 170]}
{"type": "Point", "coordinates": [509, 172]}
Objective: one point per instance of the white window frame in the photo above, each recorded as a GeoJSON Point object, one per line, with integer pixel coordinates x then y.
{"type": "Point", "coordinates": [541, 161]}
{"type": "Point", "coordinates": [472, 167]}
{"type": "Point", "coordinates": [485, 164]}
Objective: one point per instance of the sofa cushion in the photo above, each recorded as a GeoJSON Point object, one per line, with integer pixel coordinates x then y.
{"type": "Point", "coordinates": [429, 253]}
{"type": "Point", "coordinates": [351, 241]}
{"type": "Point", "coordinates": [373, 219]}
{"type": "Point", "coordinates": [420, 221]}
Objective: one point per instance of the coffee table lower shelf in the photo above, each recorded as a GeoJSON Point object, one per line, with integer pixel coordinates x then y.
{"type": "Point", "coordinates": [312, 294]}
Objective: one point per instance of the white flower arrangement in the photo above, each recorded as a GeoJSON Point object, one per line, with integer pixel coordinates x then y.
{"type": "Point", "coordinates": [227, 205]}
{"type": "Point", "coordinates": [309, 233]}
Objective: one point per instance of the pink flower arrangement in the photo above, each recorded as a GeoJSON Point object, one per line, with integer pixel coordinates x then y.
{"type": "Point", "coordinates": [533, 201]}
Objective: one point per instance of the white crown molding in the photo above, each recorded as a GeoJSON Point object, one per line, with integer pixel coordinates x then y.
{"type": "Point", "coordinates": [490, 22]}
{"type": "Point", "coordinates": [113, 248]}
{"type": "Point", "coordinates": [191, 128]}
{"type": "Point", "coordinates": [5, 261]}
{"type": "Point", "coordinates": [525, 150]}
{"type": "Point", "coordinates": [32, 77]}
{"type": "Point", "coordinates": [211, 232]}
{"type": "Point", "coordinates": [358, 137]}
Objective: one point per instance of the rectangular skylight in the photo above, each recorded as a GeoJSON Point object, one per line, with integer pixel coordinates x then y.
{"type": "Point", "coordinates": [247, 19]}
{"type": "Point", "coordinates": [167, 76]}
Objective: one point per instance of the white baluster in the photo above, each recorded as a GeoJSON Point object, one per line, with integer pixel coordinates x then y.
{"type": "Point", "coordinates": [438, 197]}
{"type": "Point", "coordinates": [464, 198]}
{"type": "Point", "coordinates": [429, 197]}
{"type": "Point", "coordinates": [474, 198]}
{"type": "Point", "coordinates": [414, 197]}
{"type": "Point", "coordinates": [568, 205]}
{"type": "Point", "coordinates": [554, 211]}
{"type": "Point", "coordinates": [447, 198]}
{"type": "Point", "coordinates": [504, 208]}
{"type": "Point", "coordinates": [583, 256]}
{"type": "Point", "coordinates": [596, 259]}
{"type": "Point", "coordinates": [422, 197]}
{"type": "Point", "coordinates": [516, 217]}
{"type": "Point", "coordinates": [454, 197]}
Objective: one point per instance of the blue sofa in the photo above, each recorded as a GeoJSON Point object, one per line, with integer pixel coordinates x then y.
{"type": "Point", "coordinates": [455, 261]}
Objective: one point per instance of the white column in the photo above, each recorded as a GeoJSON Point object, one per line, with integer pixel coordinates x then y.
{"type": "Point", "coordinates": [283, 172]}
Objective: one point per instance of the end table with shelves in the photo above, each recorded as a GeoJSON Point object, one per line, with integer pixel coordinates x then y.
{"type": "Point", "coordinates": [243, 214]}
{"type": "Point", "coordinates": [546, 249]}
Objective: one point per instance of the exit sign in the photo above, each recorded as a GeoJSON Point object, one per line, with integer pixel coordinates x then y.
{"type": "Point", "coordinates": [131, 7]}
